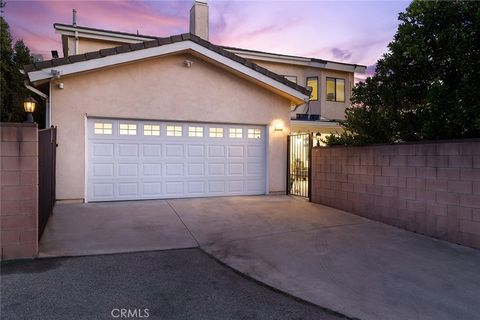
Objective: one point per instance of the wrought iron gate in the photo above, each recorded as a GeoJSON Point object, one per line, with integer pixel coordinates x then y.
{"type": "Point", "coordinates": [299, 171]}
{"type": "Point", "coordinates": [47, 143]}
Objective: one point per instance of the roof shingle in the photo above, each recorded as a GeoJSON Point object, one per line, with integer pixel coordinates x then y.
{"type": "Point", "coordinates": [160, 42]}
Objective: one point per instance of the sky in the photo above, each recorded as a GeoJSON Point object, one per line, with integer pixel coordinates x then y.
{"type": "Point", "coordinates": [345, 31]}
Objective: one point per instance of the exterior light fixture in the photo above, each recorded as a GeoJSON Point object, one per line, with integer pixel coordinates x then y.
{"type": "Point", "coordinates": [318, 136]}
{"type": "Point", "coordinates": [29, 105]}
{"type": "Point", "coordinates": [278, 126]}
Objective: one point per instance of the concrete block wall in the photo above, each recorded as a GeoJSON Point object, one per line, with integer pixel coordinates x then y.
{"type": "Point", "coordinates": [431, 188]}
{"type": "Point", "coordinates": [19, 190]}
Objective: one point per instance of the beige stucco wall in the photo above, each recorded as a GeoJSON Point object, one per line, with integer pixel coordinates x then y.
{"type": "Point", "coordinates": [328, 109]}
{"type": "Point", "coordinates": [89, 45]}
{"type": "Point", "coordinates": [162, 89]}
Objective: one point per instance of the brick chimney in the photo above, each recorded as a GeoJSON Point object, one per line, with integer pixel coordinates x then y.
{"type": "Point", "coordinates": [199, 19]}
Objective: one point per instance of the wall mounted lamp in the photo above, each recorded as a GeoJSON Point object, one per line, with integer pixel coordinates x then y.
{"type": "Point", "coordinates": [278, 126]}
{"type": "Point", "coordinates": [29, 105]}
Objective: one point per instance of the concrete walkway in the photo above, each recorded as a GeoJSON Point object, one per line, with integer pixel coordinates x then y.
{"type": "Point", "coordinates": [337, 260]}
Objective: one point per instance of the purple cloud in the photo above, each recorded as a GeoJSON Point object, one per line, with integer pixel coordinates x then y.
{"type": "Point", "coordinates": [341, 54]}
{"type": "Point", "coordinates": [305, 28]}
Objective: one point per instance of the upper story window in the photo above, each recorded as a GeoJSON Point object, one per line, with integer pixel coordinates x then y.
{"type": "Point", "coordinates": [174, 131]}
{"type": "Point", "coordinates": [128, 129]}
{"type": "Point", "coordinates": [336, 89]}
{"type": "Point", "coordinates": [254, 134]}
{"type": "Point", "coordinates": [291, 78]}
{"type": "Point", "coordinates": [151, 130]}
{"type": "Point", "coordinates": [312, 82]}
{"type": "Point", "coordinates": [235, 132]}
{"type": "Point", "coordinates": [195, 131]}
{"type": "Point", "coordinates": [215, 132]}
{"type": "Point", "coordinates": [102, 128]}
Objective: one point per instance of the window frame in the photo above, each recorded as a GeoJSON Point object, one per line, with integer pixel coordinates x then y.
{"type": "Point", "coordinates": [129, 131]}
{"type": "Point", "coordinates": [235, 133]}
{"type": "Point", "coordinates": [151, 130]}
{"type": "Point", "coordinates": [318, 88]}
{"type": "Point", "coordinates": [196, 130]}
{"type": "Point", "coordinates": [175, 126]}
{"type": "Point", "coordinates": [110, 129]}
{"type": "Point", "coordinates": [216, 132]}
{"type": "Point", "coordinates": [335, 87]}
{"type": "Point", "coordinates": [254, 133]}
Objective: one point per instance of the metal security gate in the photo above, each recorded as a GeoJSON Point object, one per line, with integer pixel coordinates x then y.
{"type": "Point", "coordinates": [299, 172]}
{"type": "Point", "coordinates": [47, 143]}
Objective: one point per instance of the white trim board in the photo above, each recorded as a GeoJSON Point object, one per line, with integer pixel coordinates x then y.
{"type": "Point", "coordinates": [176, 47]}
{"type": "Point", "coordinates": [99, 35]}
{"type": "Point", "coordinates": [272, 57]}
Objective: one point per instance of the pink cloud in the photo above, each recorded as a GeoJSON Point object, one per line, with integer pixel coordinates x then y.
{"type": "Point", "coordinates": [314, 29]}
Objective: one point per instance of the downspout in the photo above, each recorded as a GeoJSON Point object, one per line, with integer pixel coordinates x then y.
{"type": "Point", "coordinates": [76, 42]}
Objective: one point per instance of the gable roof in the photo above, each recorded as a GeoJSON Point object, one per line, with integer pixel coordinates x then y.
{"type": "Point", "coordinates": [111, 35]}
{"type": "Point", "coordinates": [284, 58]}
{"type": "Point", "coordinates": [125, 53]}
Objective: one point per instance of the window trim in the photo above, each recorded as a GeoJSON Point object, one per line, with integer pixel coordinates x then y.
{"type": "Point", "coordinates": [254, 133]}
{"type": "Point", "coordinates": [318, 87]}
{"type": "Point", "coordinates": [195, 132]}
{"type": "Point", "coordinates": [151, 130]}
{"type": "Point", "coordinates": [235, 133]}
{"type": "Point", "coordinates": [128, 129]}
{"type": "Point", "coordinates": [216, 132]}
{"type": "Point", "coordinates": [174, 130]}
{"type": "Point", "coordinates": [335, 86]}
{"type": "Point", "coordinates": [110, 129]}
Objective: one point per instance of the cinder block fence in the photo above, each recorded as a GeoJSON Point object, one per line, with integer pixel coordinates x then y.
{"type": "Point", "coordinates": [431, 188]}
{"type": "Point", "coordinates": [19, 190]}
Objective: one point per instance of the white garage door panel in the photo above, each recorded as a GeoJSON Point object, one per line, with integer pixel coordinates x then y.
{"type": "Point", "coordinates": [146, 163]}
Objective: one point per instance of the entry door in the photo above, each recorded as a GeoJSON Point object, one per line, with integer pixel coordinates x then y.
{"type": "Point", "coordinates": [299, 159]}
{"type": "Point", "coordinates": [131, 159]}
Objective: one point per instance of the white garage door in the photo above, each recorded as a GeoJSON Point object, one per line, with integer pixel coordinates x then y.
{"type": "Point", "coordinates": [131, 159]}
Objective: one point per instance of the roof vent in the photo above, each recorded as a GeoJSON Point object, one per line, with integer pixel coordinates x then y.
{"type": "Point", "coordinates": [74, 17]}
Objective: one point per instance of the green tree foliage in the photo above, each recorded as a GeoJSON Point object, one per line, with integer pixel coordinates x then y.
{"type": "Point", "coordinates": [12, 89]}
{"type": "Point", "coordinates": [428, 84]}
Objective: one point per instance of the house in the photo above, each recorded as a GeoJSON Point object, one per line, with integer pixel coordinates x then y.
{"type": "Point", "coordinates": [141, 117]}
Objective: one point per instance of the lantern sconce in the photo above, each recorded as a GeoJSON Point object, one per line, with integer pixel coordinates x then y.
{"type": "Point", "coordinates": [278, 126]}
{"type": "Point", "coordinates": [29, 105]}
{"type": "Point", "coordinates": [318, 137]}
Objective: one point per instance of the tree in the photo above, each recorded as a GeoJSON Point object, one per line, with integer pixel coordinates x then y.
{"type": "Point", "coordinates": [427, 85]}
{"type": "Point", "coordinates": [12, 89]}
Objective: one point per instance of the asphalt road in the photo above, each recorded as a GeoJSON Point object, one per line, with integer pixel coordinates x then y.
{"type": "Point", "coordinates": [175, 284]}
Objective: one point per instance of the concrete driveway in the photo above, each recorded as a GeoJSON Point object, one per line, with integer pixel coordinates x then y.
{"type": "Point", "coordinates": [337, 260]}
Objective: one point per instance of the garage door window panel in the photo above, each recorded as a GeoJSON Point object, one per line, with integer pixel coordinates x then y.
{"type": "Point", "coordinates": [235, 133]}
{"type": "Point", "coordinates": [195, 132]}
{"type": "Point", "coordinates": [128, 129]}
{"type": "Point", "coordinates": [174, 131]}
{"type": "Point", "coordinates": [254, 134]}
{"type": "Point", "coordinates": [151, 130]}
{"type": "Point", "coordinates": [215, 132]}
{"type": "Point", "coordinates": [102, 128]}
